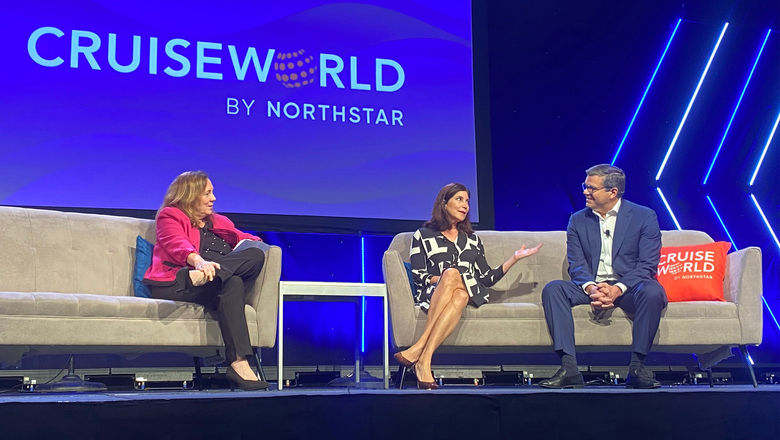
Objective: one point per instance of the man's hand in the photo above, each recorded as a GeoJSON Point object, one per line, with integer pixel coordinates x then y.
{"type": "Point", "coordinates": [603, 295]}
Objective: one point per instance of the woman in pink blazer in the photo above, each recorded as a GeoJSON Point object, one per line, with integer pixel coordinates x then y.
{"type": "Point", "coordinates": [193, 260]}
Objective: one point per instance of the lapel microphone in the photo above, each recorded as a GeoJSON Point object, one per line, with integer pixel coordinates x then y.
{"type": "Point", "coordinates": [606, 232]}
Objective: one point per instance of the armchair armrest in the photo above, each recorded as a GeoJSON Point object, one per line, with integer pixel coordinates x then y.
{"type": "Point", "coordinates": [400, 299]}
{"type": "Point", "coordinates": [264, 296]}
{"type": "Point", "coordinates": [743, 286]}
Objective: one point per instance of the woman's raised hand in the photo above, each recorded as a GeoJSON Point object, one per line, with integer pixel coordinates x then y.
{"type": "Point", "coordinates": [523, 252]}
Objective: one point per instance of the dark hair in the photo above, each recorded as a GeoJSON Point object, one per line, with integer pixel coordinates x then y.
{"type": "Point", "coordinates": [440, 220]}
{"type": "Point", "coordinates": [613, 176]}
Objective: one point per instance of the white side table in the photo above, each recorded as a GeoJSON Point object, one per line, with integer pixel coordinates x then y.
{"type": "Point", "coordinates": [333, 290]}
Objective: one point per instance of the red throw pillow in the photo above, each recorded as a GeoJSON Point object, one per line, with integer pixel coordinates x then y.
{"type": "Point", "coordinates": [694, 273]}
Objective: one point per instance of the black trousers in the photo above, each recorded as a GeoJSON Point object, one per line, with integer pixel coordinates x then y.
{"type": "Point", "coordinates": [226, 294]}
{"type": "Point", "coordinates": [645, 301]}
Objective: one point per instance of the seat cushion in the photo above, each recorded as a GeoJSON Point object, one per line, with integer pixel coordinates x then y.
{"type": "Point", "coordinates": [701, 309]}
{"type": "Point", "coordinates": [97, 306]}
{"type": "Point", "coordinates": [504, 310]}
{"type": "Point", "coordinates": [676, 310]}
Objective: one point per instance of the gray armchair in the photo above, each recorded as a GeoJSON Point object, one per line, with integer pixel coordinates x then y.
{"type": "Point", "coordinates": [67, 289]}
{"type": "Point", "coordinates": [514, 319]}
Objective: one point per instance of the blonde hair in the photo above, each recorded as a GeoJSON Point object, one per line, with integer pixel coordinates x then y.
{"type": "Point", "coordinates": [184, 191]}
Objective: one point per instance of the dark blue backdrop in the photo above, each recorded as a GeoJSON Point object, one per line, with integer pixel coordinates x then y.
{"type": "Point", "coordinates": [566, 79]}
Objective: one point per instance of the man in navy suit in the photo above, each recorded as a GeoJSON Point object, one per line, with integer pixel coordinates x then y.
{"type": "Point", "coordinates": [613, 247]}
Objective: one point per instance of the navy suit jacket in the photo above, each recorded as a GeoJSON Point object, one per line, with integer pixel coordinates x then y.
{"type": "Point", "coordinates": [636, 246]}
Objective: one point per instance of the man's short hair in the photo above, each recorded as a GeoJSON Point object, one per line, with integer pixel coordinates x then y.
{"type": "Point", "coordinates": [613, 176]}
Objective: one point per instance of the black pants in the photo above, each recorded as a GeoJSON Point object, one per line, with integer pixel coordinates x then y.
{"type": "Point", "coordinates": [226, 294]}
{"type": "Point", "coordinates": [645, 302]}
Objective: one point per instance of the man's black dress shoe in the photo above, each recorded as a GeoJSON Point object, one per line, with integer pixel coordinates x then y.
{"type": "Point", "coordinates": [641, 378]}
{"type": "Point", "coordinates": [562, 380]}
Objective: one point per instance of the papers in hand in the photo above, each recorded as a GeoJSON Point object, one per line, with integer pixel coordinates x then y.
{"type": "Point", "coordinates": [247, 243]}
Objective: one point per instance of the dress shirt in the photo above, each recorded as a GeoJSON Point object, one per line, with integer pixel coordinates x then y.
{"type": "Point", "coordinates": [605, 273]}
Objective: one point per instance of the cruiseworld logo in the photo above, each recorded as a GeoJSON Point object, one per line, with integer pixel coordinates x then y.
{"type": "Point", "coordinates": [293, 69]}
{"type": "Point", "coordinates": [687, 264]}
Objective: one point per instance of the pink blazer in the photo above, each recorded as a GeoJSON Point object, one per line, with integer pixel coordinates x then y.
{"type": "Point", "coordinates": [177, 238]}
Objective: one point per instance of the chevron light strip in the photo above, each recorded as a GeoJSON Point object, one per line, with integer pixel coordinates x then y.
{"type": "Point", "coordinates": [766, 304]}
{"type": "Point", "coordinates": [690, 103]}
{"type": "Point", "coordinates": [766, 148]}
{"type": "Point", "coordinates": [766, 222]}
{"type": "Point", "coordinates": [647, 89]}
{"type": "Point", "coordinates": [736, 107]}
{"type": "Point", "coordinates": [769, 309]}
{"type": "Point", "coordinates": [717, 214]}
{"type": "Point", "coordinates": [668, 208]}
{"type": "Point", "coordinates": [774, 236]}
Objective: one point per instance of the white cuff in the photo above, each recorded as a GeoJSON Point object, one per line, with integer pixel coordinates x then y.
{"type": "Point", "coordinates": [586, 285]}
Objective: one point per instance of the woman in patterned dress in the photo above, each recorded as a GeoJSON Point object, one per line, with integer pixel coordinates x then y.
{"type": "Point", "coordinates": [450, 271]}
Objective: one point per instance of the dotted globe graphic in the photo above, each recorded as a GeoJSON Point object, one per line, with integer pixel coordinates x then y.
{"type": "Point", "coordinates": [675, 268]}
{"type": "Point", "coordinates": [295, 69]}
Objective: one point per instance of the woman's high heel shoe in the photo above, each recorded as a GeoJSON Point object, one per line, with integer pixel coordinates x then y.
{"type": "Point", "coordinates": [402, 360]}
{"type": "Point", "coordinates": [405, 364]}
{"type": "Point", "coordinates": [427, 385]}
{"type": "Point", "coordinates": [422, 385]}
{"type": "Point", "coordinates": [246, 385]}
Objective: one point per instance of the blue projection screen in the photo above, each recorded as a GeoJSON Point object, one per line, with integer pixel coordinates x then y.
{"type": "Point", "coordinates": [339, 109]}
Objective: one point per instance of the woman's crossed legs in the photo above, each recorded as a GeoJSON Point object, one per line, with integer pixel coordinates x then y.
{"type": "Point", "coordinates": [449, 299]}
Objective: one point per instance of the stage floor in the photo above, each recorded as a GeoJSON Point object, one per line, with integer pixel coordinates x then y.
{"type": "Point", "coordinates": [598, 412]}
{"type": "Point", "coordinates": [109, 396]}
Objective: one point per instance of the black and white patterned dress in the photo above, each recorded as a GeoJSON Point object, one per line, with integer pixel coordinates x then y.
{"type": "Point", "coordinates": [432, 253]}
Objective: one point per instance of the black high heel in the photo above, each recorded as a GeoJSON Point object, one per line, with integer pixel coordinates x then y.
{"type": "Point", "coordinates": [246, 385]}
